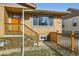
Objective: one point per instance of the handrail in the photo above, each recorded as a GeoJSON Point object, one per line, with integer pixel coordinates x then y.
{"type": "Point", "coordinates": [31, 29]}
{"type": "Point", "coordinates": [24, 25]}
{"type": "Point", "coordinates": [11, 23]}
{"type": "Point", "coordinates": [37, 35]}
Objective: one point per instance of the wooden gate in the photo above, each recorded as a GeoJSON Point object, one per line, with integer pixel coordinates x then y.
{"type": "Point", "coordinates": [53, 37]}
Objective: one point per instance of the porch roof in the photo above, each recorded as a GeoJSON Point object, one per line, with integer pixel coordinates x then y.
{"type": "Point", "coordinates": [12, 5]}
{"type": "Point", "coordinates": [47, 12]}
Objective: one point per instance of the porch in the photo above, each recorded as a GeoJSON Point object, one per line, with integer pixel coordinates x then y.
{"type": "Point", "coordinates": [13, 20]}
{"type": "Point", "coordinates": [12, 33]}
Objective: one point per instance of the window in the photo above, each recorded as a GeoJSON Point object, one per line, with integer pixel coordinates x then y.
{"type": "Point", "coordinates": [16, 16]}
{"type": "Point", "coordinates": [2, 44]}
{"type": "Point", "coordinates": [63, 24]}
{"type": "Point", "coordinates": [74, 22]}
{"type": "Point", "coordinates": [44, 20]}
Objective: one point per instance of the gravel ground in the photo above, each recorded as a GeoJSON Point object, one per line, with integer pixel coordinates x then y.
{"type": "Point", "coordinates": [42, 50]}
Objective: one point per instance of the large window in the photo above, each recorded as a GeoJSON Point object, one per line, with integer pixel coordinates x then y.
{"type": "Point", "coordinates": [63, 25]}
{"type": "Point", "coordinates": [74, 21]}
{"type": "Point", "coordinates": [44, 20]}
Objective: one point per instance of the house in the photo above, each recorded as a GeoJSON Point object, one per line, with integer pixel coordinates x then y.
{"type": "Point", "coordinates": [38, 24]}
{"type": "Point", "coordinates": [71, 21]}
{"type": "Point", "coordinates": [11, 23]}
{"type": "Point", "coordinates": [41, 24]}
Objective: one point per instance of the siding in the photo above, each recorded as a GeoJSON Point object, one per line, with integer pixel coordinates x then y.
{"type": "Point", "coordinates": [45, 30]}
{"type": "Point", "coordinates": [68, 24]}
{"type": "Point", "coordinates": [2, 30]}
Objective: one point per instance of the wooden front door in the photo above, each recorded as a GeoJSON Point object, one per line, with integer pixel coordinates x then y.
{"type": "Point", "coordinates": [15, 25]}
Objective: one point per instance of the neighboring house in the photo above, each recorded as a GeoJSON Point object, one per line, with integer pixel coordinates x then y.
{"type": "Point", "coordinates": [71, 21]}
{"type": "Point", "coordinates": [11, 22]}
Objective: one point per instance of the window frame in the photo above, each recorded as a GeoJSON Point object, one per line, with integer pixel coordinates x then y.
{"type": "Point", "coordinates": [42, 25]}
{"type": "Point", "coordinates": [63, 25]}
{"type": "Point", "coordinates": [74, 22]}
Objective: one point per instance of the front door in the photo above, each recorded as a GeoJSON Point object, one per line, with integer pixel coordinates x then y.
{"type": "Point", "coordinates": [15, 22]}
{"type": "Point", "coordinates": [15, 25]}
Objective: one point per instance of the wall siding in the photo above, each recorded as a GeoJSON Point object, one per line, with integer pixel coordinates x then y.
{"type": "Point", "coordinates": [45, 30]}
{"type": "Point", "coordinates": [69, 26]}
{"type": "Point", "coordinates": [2, 30]}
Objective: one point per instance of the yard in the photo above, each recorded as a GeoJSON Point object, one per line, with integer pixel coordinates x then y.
{"type": "Point", "coordinates": [42, 50]}
{"type": "Point", "coordinates": [11, 52]}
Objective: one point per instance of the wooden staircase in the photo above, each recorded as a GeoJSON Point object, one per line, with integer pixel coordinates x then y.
{"type": "Point", "coordinates": [30, 35]}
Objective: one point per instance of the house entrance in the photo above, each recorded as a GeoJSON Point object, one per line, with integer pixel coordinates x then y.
{"type": "Point", "coordinates": [15, 25]}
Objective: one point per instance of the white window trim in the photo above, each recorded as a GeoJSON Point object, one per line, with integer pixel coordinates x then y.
{"type": "Point", "coordinates": [41, 25]}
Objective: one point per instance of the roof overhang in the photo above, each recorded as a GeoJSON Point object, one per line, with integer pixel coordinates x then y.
{"type": "Point", "coordinates": [13, 9]}
{"type": "Point", "coordinates": [30, 5]}
{"type": "Point", "coordinates": [58, 13]}
{"type": "Point", "coordinates": [15, 5]}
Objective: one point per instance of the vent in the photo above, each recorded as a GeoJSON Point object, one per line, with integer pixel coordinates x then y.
{"type": "Point", "coordinates": [42, 37]}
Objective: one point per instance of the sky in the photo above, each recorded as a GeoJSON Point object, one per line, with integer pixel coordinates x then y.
{"type": "Point", "coordinates": [57, 6]}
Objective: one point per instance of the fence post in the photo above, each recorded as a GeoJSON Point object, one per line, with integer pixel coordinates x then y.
{"type": "Point", "coordinates": [57, 38]}
{"type": "Point", "coordinates": [37, 40]}
{"type": "Point", "coordinates": [72, 43]}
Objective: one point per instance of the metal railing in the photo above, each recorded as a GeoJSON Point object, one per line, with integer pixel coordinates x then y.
{"type": "Point", "coordinates": [64, 40]}
{"type": "Point", "coordinates": [76, 44]}
{"type": "Point", "coordinates": [69, 41]}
